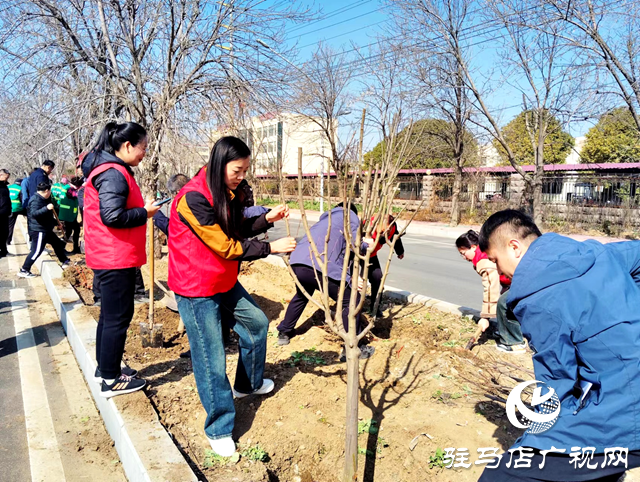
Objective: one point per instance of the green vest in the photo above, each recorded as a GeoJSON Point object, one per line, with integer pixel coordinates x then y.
{"type": "Point", "coordinates": [68, 209]}
{"type": "Point", "coordinates": [14, 193]}
{"type": "Point", "coordinates": [59, 191]}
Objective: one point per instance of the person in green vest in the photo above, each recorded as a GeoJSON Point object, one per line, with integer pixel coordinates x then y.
{"type": "Point", "coordinates": [59, 189]}
{"type": "Point", "coordinates": [15, 193]}
{"type": "Point", "coordinates": [69, 212]}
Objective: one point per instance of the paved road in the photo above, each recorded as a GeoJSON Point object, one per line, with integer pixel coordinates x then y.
{"type": "Point", "coordinates": [50, 429]}
{"type": "Point", "coordinates": [431, 267]}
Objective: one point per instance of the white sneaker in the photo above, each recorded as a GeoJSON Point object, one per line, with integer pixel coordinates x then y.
{"type": "Point", "coordinates": [224, 447]}
{"type": "Point", "coordinates": [267, 387]}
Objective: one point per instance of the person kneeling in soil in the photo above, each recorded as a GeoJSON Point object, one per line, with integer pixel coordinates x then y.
{"type": "Point", "coordinates": [41, 223]}
{"type": "Point", "coordinates": [578, 304]}
{"type": "Point", "coordinates": [388, 230]}
{"type": "Point", "coordinates": [208, 236]}
{"type": "Point", "coordinates": [495, 291]}
{"type": "Point", "coordinates": [115, 218]}
{"type": "Point", "coordinates": [307, 271]}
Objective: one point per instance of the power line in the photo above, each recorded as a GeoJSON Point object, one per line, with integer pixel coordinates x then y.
{"type": "Point", "coordinates": [346, 8]}
{"type": "Point", "coordinates": [337, 23]}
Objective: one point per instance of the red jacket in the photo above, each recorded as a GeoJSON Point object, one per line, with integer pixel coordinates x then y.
{"type": "Point", "coordinates": [112, 248]}
{"type": "Point", "coordinates": [195, 270]}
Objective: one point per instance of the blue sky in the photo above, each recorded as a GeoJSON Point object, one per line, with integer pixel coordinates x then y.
{"type": "Point", "coordinates": [358, 22]}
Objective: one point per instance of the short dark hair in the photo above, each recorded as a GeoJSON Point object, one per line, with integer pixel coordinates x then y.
{"type": "Point", "coordinates": [49, 163]}
{"type": "Point", "coordinates": [176, 182]}
{"type": "Point", "coordinates": [354, 208]}
{"type": "Point", "coordinates": [517, 223]}
{"type": "Point", "coordinates": [467, 240]}
{"type": "Point", "coordinates": [44, 186]}
{"type": "Point", "coordinates": [4, 171]}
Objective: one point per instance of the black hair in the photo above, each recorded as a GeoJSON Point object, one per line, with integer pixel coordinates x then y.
{"type": "Point", "coordinates": [44, 186]}
{"type": "Point", "coordinates": [4, 171]}
{"type": "Point", "coordinates": [176, 182]}
{"type": "Point", "coordinates": [354, 208]}
{"type": "Point", "coordinates": [520, 224]}
{"type": "Point", "coordinates": [114, 135]}
{"type": "Point", "coordinates": [228, 214]}
{"type": "Point", "coordinates": [49, 163]}
{"type": "Point", "coordinates": [467, 240]}
{"type": "Point", "coordinates": [76, 181]}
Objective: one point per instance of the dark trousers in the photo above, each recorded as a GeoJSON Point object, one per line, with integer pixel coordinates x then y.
{"type": "Point", "coordinates": [12, 223]}
{"type": "Point", "coordinates": [557, 468]}
{"type": "Point", "coordinates": [38, 241]}
{"type": "Point", "coordinates": [116, 312]}
{"type": "Point", "coordinates": [508, 325]}
{"type": "Point", "coordinates": [307, 278]}
{"type": "Point", "coordinates": [4, 233]}
{"type": "Point", "coordinates": [138, 290]}
{"type": "Point", "coordinates": [375, 277]}
{"type": "Point", "coordinates": [72, 228]}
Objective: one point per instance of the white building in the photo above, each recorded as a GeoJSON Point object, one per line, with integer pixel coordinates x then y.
{"type": "Point", "coordinates": [490, 156]}
{"type": "Point", "coordinates": [276, 138]}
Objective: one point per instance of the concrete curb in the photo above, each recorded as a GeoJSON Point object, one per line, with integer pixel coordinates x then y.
{"type": "Point", "coordinates": [405, 296]}
{"type": "Point", "coordinates": [146, 450]}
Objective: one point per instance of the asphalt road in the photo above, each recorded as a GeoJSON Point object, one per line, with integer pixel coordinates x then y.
{"type": "Point", "coordinates": [431, 267]}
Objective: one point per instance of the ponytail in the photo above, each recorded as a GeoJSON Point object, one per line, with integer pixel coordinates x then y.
{"type": "Point", "coordinates": [468, 239]}
{"type": "Point", "coordinates": [114, 135]}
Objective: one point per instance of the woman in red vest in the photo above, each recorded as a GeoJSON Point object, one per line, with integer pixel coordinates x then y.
{"type": "Point", "coordinates": [115, 216]}
{"type": "Point", "coordinates": [208, 236]}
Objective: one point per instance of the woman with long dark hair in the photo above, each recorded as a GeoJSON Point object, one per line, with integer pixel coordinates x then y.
{"type": "Point", "coordinates": [208, 236]}
{"type": "Point", "coordinates": [115, 216]}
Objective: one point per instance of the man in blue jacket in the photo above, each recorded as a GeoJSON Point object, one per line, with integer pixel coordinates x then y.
{"type": "Point", "coordinates": [308, 271]}
{"type": "Point", "coordinates": [579, 307]}
{"type": "Point", "coordinates": [37, 177]}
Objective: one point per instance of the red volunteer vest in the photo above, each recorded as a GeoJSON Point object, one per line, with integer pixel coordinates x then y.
{"type": "Point", "coordinates": [112, 248]}
{"type": "Point", "coordinates": [390, 234]}
{"type": "Point", "coordinates": [195, 270]}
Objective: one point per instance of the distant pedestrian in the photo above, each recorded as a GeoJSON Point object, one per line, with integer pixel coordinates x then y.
{"type": "Point", "coordinates": [15, 193]}
{"type": "Point", "coordinates": [115, 217]}
{"type": "Point", "coordinates": [41, 222]}
{"type": "Point", "coordinates": [5, 211]}
{"type": "Point", "coordinates": [69, 213]}
{"type": "Point", "coordinates": [495, 291]}
{"type": "Point", "coordinates": [38, 176]}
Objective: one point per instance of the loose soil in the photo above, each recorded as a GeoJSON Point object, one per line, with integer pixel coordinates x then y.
{"type": "Point", "coordinates": [420, 381]}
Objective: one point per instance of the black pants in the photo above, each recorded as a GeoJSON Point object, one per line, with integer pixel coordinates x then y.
{"type": "Point", "coordinates": [4, 233]}
{"type": "Point", "coordinates": [307, 277]}
{"type": "Point", "coordinates": [12, 223]}
{"type": "Point", "coordinates": [375, 277]}
{"type": "Point", "coordinates": [116, 312]}
{"type": "Point", "coordinates": [38, 241]}
{"type": "Point", "coordinates": [72, 228]}
{"type": "Point", "coordinates": [557, 469]}
{"type": "Point", "coordinates": [138, 290]}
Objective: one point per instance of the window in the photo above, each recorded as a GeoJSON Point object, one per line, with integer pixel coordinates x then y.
{"type": "Point", "coordinates": [272, 130]}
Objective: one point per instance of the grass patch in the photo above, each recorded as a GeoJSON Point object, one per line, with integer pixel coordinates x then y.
{"type": "Point", "coordinates": [257, 454]}
{"type": "Point", "coordinates": [307, 357]}
{"type": "Point", "coordinates": [367, 426]}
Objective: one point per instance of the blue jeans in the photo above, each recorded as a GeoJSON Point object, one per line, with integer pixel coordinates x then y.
{"type": "Point", "coordinates": [202, 318]}
{"type": "Point", "coordinates": [508, 326]}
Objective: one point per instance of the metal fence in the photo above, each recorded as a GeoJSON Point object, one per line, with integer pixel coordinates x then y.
{"type": "Point", "coordinates": [592, 190]}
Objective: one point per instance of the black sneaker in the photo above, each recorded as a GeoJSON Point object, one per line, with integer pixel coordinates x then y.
{"type": "Point", "coordinates": [130, 372]}
{"type": "Point", "coordinates": [121, 385]}
{"type": "Point", "coordinates": [97, 303]}
{"type": "Point", "coordinates": [284, 338]}
{"type": "Point", "coordinates": [140, 299]}
{"type": "Point", "coordinates": [365, 352]}
{"type": "Point", "coordinates": [25, 274]}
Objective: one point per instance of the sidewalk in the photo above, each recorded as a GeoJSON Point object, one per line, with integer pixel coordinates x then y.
{"type": "Point", "coordinates": [50, 428]}
{"type": "Point", "coordinates": [442, 230]}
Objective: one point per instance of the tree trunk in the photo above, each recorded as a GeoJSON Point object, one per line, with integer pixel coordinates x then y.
{"type": "Point", "coordinates": [455, 198]}
{"type": "Point", "coordinates": [537, 184]}
{"type": "Point", "coordinates": [353, 399]}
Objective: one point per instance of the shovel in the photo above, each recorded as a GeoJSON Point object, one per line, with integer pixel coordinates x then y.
{"type": "Point", "coordinates": [150, 332]}
{"type": "Point", "coordinates": [474, 339]}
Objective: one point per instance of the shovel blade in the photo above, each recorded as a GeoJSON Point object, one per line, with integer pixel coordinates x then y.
{"type": "Point", "coordinates": [151, 336]}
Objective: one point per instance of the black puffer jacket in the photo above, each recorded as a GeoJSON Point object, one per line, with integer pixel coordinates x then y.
{"type": "Point", "coordinates": [5, 200]}
{"type": "Point", "coordinates": [113, 191]}
{"type": "Point", "coordinates": [40, 219]}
